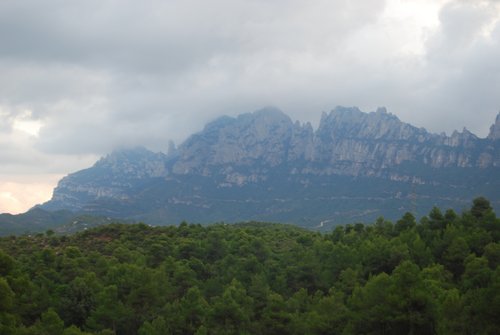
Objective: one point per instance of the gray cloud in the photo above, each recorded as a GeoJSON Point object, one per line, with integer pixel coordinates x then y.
{"type": "Point", "coordinates": [462, 73]}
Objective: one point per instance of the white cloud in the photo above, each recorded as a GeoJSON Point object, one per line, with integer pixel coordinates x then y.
{"type": "Point", "coordinates": [25, 123]}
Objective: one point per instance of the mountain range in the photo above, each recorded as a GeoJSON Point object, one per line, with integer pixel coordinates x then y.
{"type": "Point", "coordinates": [263, 166]}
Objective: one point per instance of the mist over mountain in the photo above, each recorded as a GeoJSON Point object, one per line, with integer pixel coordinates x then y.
{"type": "Point", "coordinates": [355, 166]}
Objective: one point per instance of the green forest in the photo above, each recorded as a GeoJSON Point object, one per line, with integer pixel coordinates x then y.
{"type": "Point", "coordinates": [436, 275]}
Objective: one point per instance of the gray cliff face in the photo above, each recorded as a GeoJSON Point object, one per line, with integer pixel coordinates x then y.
{"type": "Point", "coordinates": [112, 177]}
{"type": "Point", "coordinates": [355, 143]}
{"type": "Point", "coordinates": [267, 164]}
{"type": "Point", "coordinates": [350, 123]}
{"type": "Point", "coordinates": [495, 129]}
{"type": "Point", "coordinates": [136, 163]}
{"type": "Point", "coordinates": [301, 144]}
{"type": "Point", "coordinates": [261, 137]}
{"type": "Point", "coordinates": [347, 142]}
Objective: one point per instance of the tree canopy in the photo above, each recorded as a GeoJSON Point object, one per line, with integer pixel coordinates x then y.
{"type": "Point", "coordinates": [439, 275]}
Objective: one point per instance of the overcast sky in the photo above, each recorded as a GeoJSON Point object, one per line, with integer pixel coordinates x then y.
{"type": "Point", "coordinates": [79, 78]}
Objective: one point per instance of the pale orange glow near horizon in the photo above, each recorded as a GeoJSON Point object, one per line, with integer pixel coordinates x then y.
{"type": "Point", "coordinates": [19, 196]}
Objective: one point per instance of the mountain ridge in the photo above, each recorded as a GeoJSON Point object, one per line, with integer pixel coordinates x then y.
{"type": "Point", "coordinates": [264, 166]}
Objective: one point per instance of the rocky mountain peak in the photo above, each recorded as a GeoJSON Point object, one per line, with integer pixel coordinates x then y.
{"type": "Point", "coordinates": [495, 129]}
{"type": "Point", "coordinates": [257, 121]}
{"type": "Point", "coordinates": [345, 122]}
{"type": "Point", "coordinates": [269, 113]}
{"type": "Point", "coordinates": [339, 121]}
{"type": "Point", "coordinates": [264, 123]}
{"type": "Point", "coordinates": [137, 162]}
{"type": "Point", "coordinates": [120, 155]}
{"type": "Point", "coordinates": [462, 138]}
{"type": "Point", "coordinates": [258, 136]}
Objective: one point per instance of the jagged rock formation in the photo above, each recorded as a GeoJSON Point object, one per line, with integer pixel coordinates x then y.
{"type": "Point", "coordinates": [264, 166]}
{"type": "Point", "coordinates": [115, 176]}
{"type": "Point", "coordinates": [495, 129]}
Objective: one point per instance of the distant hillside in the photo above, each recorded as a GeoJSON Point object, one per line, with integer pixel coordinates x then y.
{"type": "Point", "coordinates": [38, 220]}
{"type": "Point", "coordinates": [263, 166]}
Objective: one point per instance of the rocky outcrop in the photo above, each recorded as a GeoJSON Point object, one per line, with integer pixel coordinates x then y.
{"type": "Point", "coordinates": [347, 142]}
{"type": "Point", "coordinates": [112, 177]}
{"type": "Point", "coordinates": [261, 137]}
{"type": "Point", "coordinates": [495, 129]}
{"type": "Point", "coordinates": [134, 163]}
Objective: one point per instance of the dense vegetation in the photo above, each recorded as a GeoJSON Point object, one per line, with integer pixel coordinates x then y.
{"type": "Point", "coordinates": [438, 276]}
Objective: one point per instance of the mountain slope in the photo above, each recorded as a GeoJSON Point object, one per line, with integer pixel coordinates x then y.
{"type": "Point", "coordinates": [263, 166]}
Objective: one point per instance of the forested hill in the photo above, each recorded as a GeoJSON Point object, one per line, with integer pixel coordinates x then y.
{"type": "Point", "coordinates": [438, 276]}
